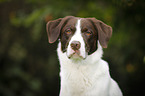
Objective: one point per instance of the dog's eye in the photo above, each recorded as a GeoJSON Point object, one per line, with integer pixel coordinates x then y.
{"type": "Point", "coordinates": [68, 31]}
{"type": "Point", "coordinates": [88, 33]}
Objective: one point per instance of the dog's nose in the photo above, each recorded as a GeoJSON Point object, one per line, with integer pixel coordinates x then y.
{"type": "Point", "coordinates": [75, 45]}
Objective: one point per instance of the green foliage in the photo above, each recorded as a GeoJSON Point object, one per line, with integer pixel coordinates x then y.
{"type": "Point", "coordinates": [29, 65]}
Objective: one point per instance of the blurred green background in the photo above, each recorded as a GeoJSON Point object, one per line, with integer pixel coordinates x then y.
{"type": "Point", "coordinates": [29, 64]}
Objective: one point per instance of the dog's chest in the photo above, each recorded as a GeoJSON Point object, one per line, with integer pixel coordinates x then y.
{"type": "Point", "coordinates": [82, 80]}
{"type": "Point", "coordinates": [78, 76]}
{"type": "Point", "coordinates": [77, 80]}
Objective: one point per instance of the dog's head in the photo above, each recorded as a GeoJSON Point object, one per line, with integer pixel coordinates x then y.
{"type": "Point", "coordinates": [78, 36]}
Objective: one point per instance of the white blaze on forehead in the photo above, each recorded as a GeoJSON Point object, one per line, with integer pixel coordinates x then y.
{"type": "Point", "coordinates": [77, 37]}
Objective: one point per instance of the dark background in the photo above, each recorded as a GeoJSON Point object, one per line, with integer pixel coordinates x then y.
{"type": "Point", "coordinates": [29, 64]}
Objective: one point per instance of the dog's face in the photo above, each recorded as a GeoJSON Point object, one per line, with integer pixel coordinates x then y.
{"type": "Point", "coordinates": [78, 36]}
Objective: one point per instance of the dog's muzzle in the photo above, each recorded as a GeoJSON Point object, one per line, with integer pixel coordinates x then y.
{"type": "Point", "coordinates": [75, 50]}
{"type": "Point", "coordinates": [75, 45]}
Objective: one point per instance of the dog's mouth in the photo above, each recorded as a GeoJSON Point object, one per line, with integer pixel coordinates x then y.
{"type": "Point", "coordinates": [75, 55]}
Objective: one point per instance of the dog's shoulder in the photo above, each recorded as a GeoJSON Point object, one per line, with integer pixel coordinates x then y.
{"type": "Point", "coordinates": [114, 89]}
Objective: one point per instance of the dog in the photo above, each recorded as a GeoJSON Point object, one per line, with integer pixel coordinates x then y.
{"type": "Point", "coordinates": [82, 71]}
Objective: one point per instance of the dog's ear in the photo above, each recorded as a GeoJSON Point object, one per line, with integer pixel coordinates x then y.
{"type": "Point", "coordinates": [53, 30]}
{"type": "Point", "coordinates": [54, 27]}
{"type": "Point", "coordinates": [104, 31]}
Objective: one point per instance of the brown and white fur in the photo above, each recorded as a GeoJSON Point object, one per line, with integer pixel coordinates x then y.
{"type": "Point", "coordinates": [82, 71]}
